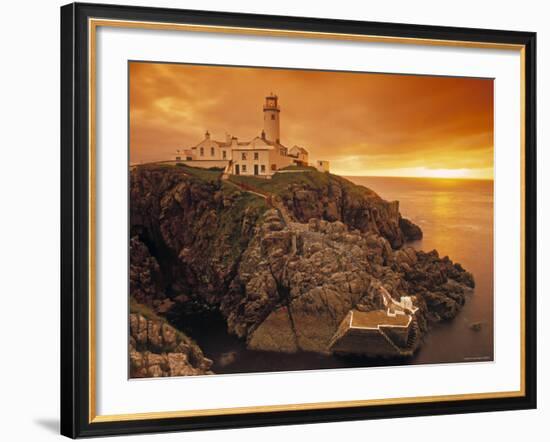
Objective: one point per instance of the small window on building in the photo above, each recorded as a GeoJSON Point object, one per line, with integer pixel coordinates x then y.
{"type": "Point", "coordinates": [256, 156]}
{"type": "Point", "coordinates": [202, 151]}
{"type": "Point", "coordinates": [243, 157]}
{"type": "Point", "coordinates": [224, 154]}
{"type": "Point", "coordinates": [211, 151]}
{"type": "Point", "coordinates": [273, 167]}
{"type": "Point", "coordinates": [178, 158]}
{"type": "Point", "coordinates": [244, 167]}
{"type": "Point", "coordinates": [262, 168]}
{"type": "Point", "coordinates": [272, 116]}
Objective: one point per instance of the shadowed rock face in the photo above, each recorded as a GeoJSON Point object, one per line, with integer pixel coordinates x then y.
{"type": "Point", "coordinates": [283, 277]}
{"type": "Point", "coordinates": [145, 274]}
{"type": "Point", "coordinates": [411, 231]}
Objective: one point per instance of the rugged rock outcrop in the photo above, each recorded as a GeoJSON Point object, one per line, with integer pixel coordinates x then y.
{"type": "Point", "coordinates": [158, 349]}
{"type": "Point", "coordinates": [297, 282]}
{"type": "Point", "coordinates": [411, 231]}
{"type": "Point", "coordinates": [333, 198]}
{"type": "Point", "coordinates": [283, 270]}
{"type": "Point", "coordinates": [439, 282]}
{"type": "Point", "coordinates": [197, 229]}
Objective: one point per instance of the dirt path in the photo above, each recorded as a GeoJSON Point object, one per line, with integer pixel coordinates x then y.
{"type": "Point", "coordinates": [275, 202]}
{"type": "Point", "coordinates": [244, 189]}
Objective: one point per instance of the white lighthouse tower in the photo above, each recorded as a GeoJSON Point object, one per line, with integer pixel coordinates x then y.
{"type": "Point", "coordinates": [271, 119]}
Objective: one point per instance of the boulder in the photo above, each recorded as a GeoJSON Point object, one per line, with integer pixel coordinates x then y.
{"type": "Point", "coordinates": [164, 351]}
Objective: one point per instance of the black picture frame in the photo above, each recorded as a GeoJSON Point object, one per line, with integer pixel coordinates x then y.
{"type": "Point", "coordinates": [75, 220]}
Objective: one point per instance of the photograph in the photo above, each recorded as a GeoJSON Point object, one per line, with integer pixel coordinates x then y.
{"type": "Point", "coordinates": [296, 219]}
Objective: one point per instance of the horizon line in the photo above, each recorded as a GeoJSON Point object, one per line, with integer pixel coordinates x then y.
{"type": "Point", "coordinates": [417, 177]}
{"type": "Point", "coordinates": [130, 164]}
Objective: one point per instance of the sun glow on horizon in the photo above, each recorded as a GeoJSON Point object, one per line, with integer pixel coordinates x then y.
{"type": "Point", "coordinates": [422, 172]}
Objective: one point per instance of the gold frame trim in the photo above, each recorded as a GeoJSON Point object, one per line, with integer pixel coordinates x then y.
{"type": "Point", "coordinates": [93, 24]}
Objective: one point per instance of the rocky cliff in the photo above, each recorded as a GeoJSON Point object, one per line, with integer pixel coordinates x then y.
{"type": "Point", "coordinates": [297, 282]}
{"type": "Point", "coordinates": [283, 260]}
{"type": "Point", "coordinates": [332, 198]}
{"type": "Point", "coordinates": [156, 348]}
{"type": "Point", "coordinates": [196, 227]}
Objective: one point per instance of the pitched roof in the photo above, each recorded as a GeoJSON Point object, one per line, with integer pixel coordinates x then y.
{"type": "Point", "coordinates": [246, 143]}
{"type": "Point", "coordinates": [300, 149]}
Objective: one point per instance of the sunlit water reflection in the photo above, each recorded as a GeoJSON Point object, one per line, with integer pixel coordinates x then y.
{"type": "Point", "coordinates": [456, 217]}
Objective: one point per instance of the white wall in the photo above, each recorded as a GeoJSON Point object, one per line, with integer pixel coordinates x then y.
{"type": "Point", "coordinates": [272, 126]}
{"type": "Point", "coordinates": [250, 162]}
{"type": "Point", "coordinates": [208, 154]}
{"type": "Point", "coordinates": [29, 281]}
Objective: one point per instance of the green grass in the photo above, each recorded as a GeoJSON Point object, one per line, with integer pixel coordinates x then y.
{"type": "Point", "coordinates": [297, 167]}
{"type": "Point", "coordinates": [212, 174]}
{"type": "Point", "coordinates": [280, 182]}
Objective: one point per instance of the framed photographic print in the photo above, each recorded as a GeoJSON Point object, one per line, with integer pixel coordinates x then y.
{"type": "Point", "coordinates": [274, 220]}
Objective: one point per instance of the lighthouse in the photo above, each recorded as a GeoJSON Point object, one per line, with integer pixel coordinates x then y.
{"type": "Point", "coordinates": [271, 119]}
{"type": "Point", "coordinates": [261, 156]}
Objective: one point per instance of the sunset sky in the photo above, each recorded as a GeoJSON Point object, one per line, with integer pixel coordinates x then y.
{"type": "Point", "coordinates": [364, 124]}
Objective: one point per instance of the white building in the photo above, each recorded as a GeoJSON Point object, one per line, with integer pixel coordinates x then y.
{"type": "Point", "coordinates": [322, 166]}
{"type": "Point", "coordinates": [263, 155]}
{"type": "Point", "coordinates": [301, 154]}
